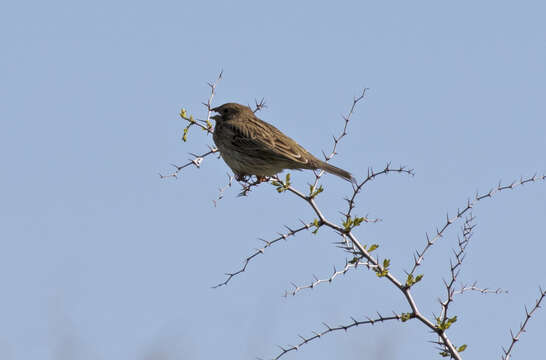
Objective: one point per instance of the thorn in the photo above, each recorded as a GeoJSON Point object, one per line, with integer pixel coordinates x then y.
{"type": "Point", "coordinates": [324, 154]}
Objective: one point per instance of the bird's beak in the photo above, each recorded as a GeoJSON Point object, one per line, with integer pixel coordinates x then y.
{"type": "Point", "coordinates": [215, 117]}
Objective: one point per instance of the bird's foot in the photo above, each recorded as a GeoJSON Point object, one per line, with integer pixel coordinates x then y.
{"type": "Point", "coordinates": [241, 178]}
{"type": "Point", "coordinates": [247, 185]}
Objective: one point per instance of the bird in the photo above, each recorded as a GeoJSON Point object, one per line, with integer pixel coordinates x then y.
{"type": "Point", "coordinates": [251, 146]}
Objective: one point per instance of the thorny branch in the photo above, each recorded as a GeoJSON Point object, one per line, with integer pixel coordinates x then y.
{"type": "Point", "coordinates": [419, 256]}
{"type": "Point", "coordinates": [246, 187]}
{"type": "Point", "coordinates": [454, 269]}
{"type": "Point", "coordinates": [348, 265]}
{"type": "Point", "coordinates": [268, 243]}
{"type": "Point", "coordinates": [337, 139]}
{"type": "Point", "coordinates": [203, 124]}
{"type": "Point", "coordinates": [196, 161]}
{"type": "Point", "coordinates": [329, 329]}
{"type": "Point", "coordinates": [473, 287]}
{"type": "Point", "coordinates": [372, 174]}
{"type": "Point", "coordinates": [528, 314]}
{"type": "Point", "coordinates": [224, 188]}
{"type": "Point", "coordinates": [455, 266]}
{"type": "Point", "coordinates": [381, 269]}
{"type": "Point", "coordinates": [212, 86]}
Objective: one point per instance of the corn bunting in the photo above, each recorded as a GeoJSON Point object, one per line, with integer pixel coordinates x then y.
{"type": "Point", "coordinates": [250, 146]}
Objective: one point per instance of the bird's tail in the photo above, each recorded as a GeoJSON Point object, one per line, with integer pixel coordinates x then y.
{"type": "Point", "coordinates": [336, 171]}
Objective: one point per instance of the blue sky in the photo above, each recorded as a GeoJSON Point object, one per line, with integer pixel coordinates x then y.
{"type": "Point", "coordinates": [101, 259]}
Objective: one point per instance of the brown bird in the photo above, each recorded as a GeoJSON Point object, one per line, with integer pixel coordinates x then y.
{"type": "Point", "coordinates": [250, 146]}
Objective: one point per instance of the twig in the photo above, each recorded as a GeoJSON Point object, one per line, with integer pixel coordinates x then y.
{"type": "Point", "coordinates": [282, 236]}
{"type": "Point", "coordinates": [223, 189]}
{"type": "Point", "coordinates": [419, 256]}
{"type": "Point", "coordinates": [317, 281]}
{"type": "Point", "coordinates": [196, 161]}
{"type": "Point", "coordinates": [212, 86]}
{"type": "Point", "coordinates": [372, 174]}
{"type": "Point", "coordinates": [473, 287]}
{"type": "Point", "coordinates": [337, 139]}
{"type": "Point", "coordinates": [455, 266]}
{"type": "Point", "coordinates": [329, 329]}
{"type": "Point", "coordinates": [528, 314]}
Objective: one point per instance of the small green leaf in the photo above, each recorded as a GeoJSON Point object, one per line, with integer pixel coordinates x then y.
{"type": "Point", "coordinates": [314, 191]}
{"type": "Point", "coordinates": [462, 348]}
{"type": "Point", "coordinates": [358, 221]}
{"type": "Point", "coordinates": [373, 247]}
{"type": "Point", "coordinates": [185, 136]}
{"type": "Point", "coordinates": [446, 323]}
{"type": "Point", "coordinates": [385, 271]}
{"type": "Point", "coordinates": [282, 186]}
{"type": "Point", "coordinates": [183, 113]}
{"type": "Point", "coordinates": [317, 225]}
{"type": "Point", "coordinates": [405, 317]}
{"type": "Point", "coordinates": [347, 223]}
{"type": "Point", "coordinates": [410, 280]}
{"type": "Point", "coordinates": [444, 354]}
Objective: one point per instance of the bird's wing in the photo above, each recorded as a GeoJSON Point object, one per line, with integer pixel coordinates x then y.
{"type": "Point", "coordinates": [262, 139]}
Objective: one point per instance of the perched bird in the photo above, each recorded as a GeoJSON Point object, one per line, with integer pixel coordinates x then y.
{"type": "Point", "coordinates": [250, 146]}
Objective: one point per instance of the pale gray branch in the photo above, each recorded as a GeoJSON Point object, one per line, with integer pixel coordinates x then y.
{"type": "Point", "coordinates": [316, 281]}
{"type": "Point", "coordinates": [196, 161]}
{"type": "Point", "coordinates": [329, 329]}
{"type": "Point", "coordinates": [268, 243]}
{"type": "Point", "coordinates": [419, 256]}
{"type": "Point", "coordinates": [528, 314]}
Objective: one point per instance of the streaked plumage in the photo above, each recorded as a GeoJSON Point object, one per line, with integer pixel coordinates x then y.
{"type": "Point", "coordinates": [250, 146]}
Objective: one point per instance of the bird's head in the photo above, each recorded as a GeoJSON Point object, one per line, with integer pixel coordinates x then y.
{"type": "Point", "coordinates": [229, 111]}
